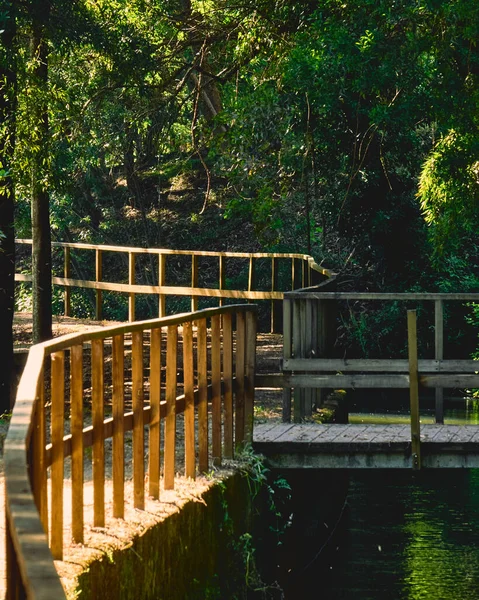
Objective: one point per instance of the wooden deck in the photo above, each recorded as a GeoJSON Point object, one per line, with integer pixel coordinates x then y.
{"type": "Point", "coordinates": [291, 446]}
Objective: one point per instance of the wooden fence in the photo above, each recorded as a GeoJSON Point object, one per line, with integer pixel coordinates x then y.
{"type": "Point", "coordinates": [286, 272]}
{"type": "Point", "coordinates": [78, 390]}
{"type": "Point", "coordinates": [309, 334]}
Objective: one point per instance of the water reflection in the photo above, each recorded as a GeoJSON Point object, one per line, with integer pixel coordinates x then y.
{"type": "Point", "coordinates": [404, 535]}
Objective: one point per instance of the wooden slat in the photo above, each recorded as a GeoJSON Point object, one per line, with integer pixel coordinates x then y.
{"type": "Point", "coordinates": [194, 281]}
{"type": "Point", "coordinates": [240, 383]}
{"type": "Point", "coordinates": [76, 428]}
{"type": "Point", "coordinates": [338, 382]}
{"type": "Point", "coordinates": [118, 449]}
{"type": "Point", "coordinates": [155, 422]}
{"type": "Point", "coordinates": [228, 384]}
{"type": "Point", "coordinates": [250, 364]}
{"type": "Point", "coordinates": [251, 274]}
{"type": "Point", "coordinates": [413, 389]}
{"type": "Point", "coordinates": [57, 427]}
{"type": "Point", "coordinates": [98, 278]}
{"type": "Point", "coordinates": [297, 408]}
{"type": "Point", "coordinates": [287, 351]}
{"type": "Point", "coordinates": [170, 421]}
{"type": "Point", "coordinates": [39, 459]}
{"type": "Point", "coordinates": [222, 275]}
{"type": "Point", "coordinates": [216, 387]}
{"type": "Point", "coordinates": [189, 383]}
{"type": "Point", "coordinates": [66, 274]}
{"type": "Point", "coordinates": [161, 284]}
{"type": "Point", "coordinates": [202, 361]}
{"type": "Point", "coordinates": [138, 424]}
{"type": "Point", "coordinates": [98, 415]}
{"type": "Point", "coordinates": [131, 281]}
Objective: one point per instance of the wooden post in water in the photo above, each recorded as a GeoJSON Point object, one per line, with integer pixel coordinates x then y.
{"type": "Point", "coordinates": [439, 344]}
{"type": "Point", "coordinates": [413, 390]}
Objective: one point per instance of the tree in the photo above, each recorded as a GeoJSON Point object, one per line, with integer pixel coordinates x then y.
{"type": "Point", "coordinates": [7, 236]}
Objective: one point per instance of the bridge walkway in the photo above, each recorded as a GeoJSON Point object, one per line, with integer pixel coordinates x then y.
{"type": "Point", "coordinates": [310, 445]}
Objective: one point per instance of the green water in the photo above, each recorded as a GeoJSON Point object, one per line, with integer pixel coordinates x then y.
{"type": "Point", "coordinates": [402, 535]}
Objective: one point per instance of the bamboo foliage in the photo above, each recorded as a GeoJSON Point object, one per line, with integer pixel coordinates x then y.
{"type": "Point", "coordinates": [196, 354]}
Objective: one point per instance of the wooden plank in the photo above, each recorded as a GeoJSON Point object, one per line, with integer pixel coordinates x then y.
{"type": "Point", "coordinates": [138, 422]}
{"type": "Point", "coordinates": [308, 339]}
{"type": "Point", "coordinates": [155, 421]}
{"type": "Point", "coordinates": [161, 285]}
{"type": "Point", "coordinates": [413, 389]}
{"type": "Point", "coordinates": [273, 433]}
{"type": "Point", "coordinates": [250, 365]}
{"type": "Point", "coordinates": [317, 365]}
{"type": "Point", "coordinates": [228, 384]}
{"type": "Point", "coordinates": [118, 449]}
{"type": "Point", "coordinates": [216, 388]}
{"type": "Point", "coordinates": [189, 383]}
{"type": "Point", "coordinates": [339, 382]}
{"type": "Point", "coordinates": [170, 421]}
{"type": "Point", "coordinates": [98, 278]}
{"type": "Point", "coordinates": [287, 352]}
{"type": "Point", "coordinates": [98, 415]}
{"type": "Point", "coordinates": [202, 366]}
{"type": "Point", "coordinates": [240, 380]}
{"type": "Point", "coordinates": [76, 428]}
{"type": "Point", "coordinates": [194, 281]}
{"type": "Point", "coordinates": [57, 429]}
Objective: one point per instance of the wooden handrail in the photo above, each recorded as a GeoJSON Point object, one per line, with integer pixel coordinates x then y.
{"type": "Point", "coordinates": [30, 569]}
{"type": "Point", "coordinates": [309, 334]}
{"type": "Point", "coordinates": [309, 271]}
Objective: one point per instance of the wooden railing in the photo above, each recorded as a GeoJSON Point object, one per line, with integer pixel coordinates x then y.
{"type": "Point", "coordinates": [309, 334]}
{"type": "Point", "coordinates": [286, 272]}
{"type": "Point", "coordinates": [78, 390]}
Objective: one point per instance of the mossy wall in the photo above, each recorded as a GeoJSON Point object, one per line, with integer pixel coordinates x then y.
{"type": "Point", "coordinates": [193, 554]}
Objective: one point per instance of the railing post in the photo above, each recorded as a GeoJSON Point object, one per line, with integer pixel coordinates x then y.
{"type": "Point", "coordinates": [216, 388]}
{"type": "Point", "coordinates": [118, 444]}
{"type": "Point", "coordinates": [251, 274]}
{"type": "Point", "coordinates": [194, 281]}
{"type": "Point", "coordinates": [76, 428]}
{"type": "Point", "coordinates": [170, 419]}
{"type": "Point", "coordinates": [250, 363]}
{"type": "Point", "coordinates": [137, 393]}
{"type": "Point", "coordinates": [98, 416]}
{"type": "Point", "coordinates": [131, 281]}
{"type": "Point", "coordinates": [66, 274]}
{"type": "Point", "coordinates": [275, 304]}
{"type": "Point", "coordinates": [222, 275]}
{"type": "Point", "coordinates": [413, 390]}
{"type": "Point", "coordinates": [161, 283]}
{"type": "Point", "coordinates": [57, 432]}
{"type": "Point", "coordinates": [155, 409]}
{"type": "Point", "coordinates": [98, 278]}
{"type": "Point", "coordinates": [240, 380]}
{"type": "Point", "coordinates": [439, 354]}
{"type": "Point", "coordinates": [287, 346]}
{"type": "Point", "coordinates": [202, 366]}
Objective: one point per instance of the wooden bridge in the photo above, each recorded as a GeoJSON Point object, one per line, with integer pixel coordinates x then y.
{"type": "Point", "coordinates": [195, 374]}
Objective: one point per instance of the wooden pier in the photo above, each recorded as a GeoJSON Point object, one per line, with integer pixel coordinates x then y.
{"type": "Point", "coordinates": [299, 446]}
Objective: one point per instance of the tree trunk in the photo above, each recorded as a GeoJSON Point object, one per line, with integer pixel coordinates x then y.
{"type": "Point", "coordinates": [41, 236]}
{"type": "Point", "coordinates": [7, 235]}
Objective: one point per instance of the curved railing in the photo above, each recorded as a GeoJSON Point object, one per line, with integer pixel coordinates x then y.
{"type": "Point", "coordinates": [192, 373]}
{"type": "Point", "coordinates": [286, 272]}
